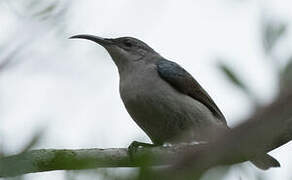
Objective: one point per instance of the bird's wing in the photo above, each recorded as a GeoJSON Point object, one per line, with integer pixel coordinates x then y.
{"type": "Point", "coordinates": [180, 79]}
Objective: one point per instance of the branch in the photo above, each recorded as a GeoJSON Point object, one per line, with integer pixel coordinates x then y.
{"type": "Point", "coordinates": [269, 128]}
{"type": "Point", "coordinates": [66, 159]}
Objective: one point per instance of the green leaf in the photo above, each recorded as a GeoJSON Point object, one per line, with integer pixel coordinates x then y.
{"type": "Point", "coordinates": [231, 76]}
{"type": "Point", "coordinates": [47, 10]}
{"type": "Point", "coordinates": [236, 81]}
{"type": "Point", "coordinates": [272, 32]}
{"type": "Point", "coordinates": [35, 139]}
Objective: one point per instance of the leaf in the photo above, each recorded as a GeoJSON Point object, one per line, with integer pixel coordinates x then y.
{"type": "Point", "coordinates": [47, 10]}
{"type": "Point", "coordinates": [272, 32]}
{"type": "Point", "coordinates": [232, 77]}
{"type": "Point", "coordinates": [235, 80]}
{"type": "Point", "coordinates": [10, 58]}
{"type": "Point", "coordinates": [34, 140]}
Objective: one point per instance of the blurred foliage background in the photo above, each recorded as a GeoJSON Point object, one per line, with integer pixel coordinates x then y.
{"type": "Point", "coordinates": [35, 52]}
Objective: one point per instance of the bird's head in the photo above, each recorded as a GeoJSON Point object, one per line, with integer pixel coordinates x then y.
{"type": "Point", "coordinates": [124, 50]}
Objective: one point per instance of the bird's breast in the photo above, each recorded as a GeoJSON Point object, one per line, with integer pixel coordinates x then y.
{"type": "Point", "coordinates": [159, 109]}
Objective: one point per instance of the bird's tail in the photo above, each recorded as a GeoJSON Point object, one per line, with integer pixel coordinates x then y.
{"type": "Point", "coordinates": [265, 162]}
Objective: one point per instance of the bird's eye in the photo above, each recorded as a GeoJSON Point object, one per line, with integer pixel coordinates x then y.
{"type": "Point", "coordinates": [128, 44]}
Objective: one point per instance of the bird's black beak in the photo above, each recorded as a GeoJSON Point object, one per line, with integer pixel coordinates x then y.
{"type": "Point", "coordinates": [99, 40]}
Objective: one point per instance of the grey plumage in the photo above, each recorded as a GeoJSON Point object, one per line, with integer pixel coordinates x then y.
{"type": "Point", "coordinates": [185, 83]}
{"type": "Point", "coordinates": [163, 98]}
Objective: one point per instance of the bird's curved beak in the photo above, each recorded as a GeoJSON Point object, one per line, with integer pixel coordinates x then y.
{"type": "Point", "coordinates": [99, 40]}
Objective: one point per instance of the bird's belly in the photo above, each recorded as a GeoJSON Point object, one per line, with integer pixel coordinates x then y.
{"type": "Point", "coordinates": [165, 114]}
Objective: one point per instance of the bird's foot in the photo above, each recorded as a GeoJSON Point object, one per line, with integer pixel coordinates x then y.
{"type": "Point", "coordinates": [135, 145]}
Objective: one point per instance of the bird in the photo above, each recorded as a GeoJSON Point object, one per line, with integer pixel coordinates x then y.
{"type": "Point", "coordinates": [164, 100]}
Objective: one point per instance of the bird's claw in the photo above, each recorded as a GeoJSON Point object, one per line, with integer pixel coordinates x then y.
{"type": "Point", "coordinates": [134, 146]}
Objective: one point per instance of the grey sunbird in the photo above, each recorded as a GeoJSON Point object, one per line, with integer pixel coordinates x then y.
{"type": "Point", "coordinates": [166, 102]}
